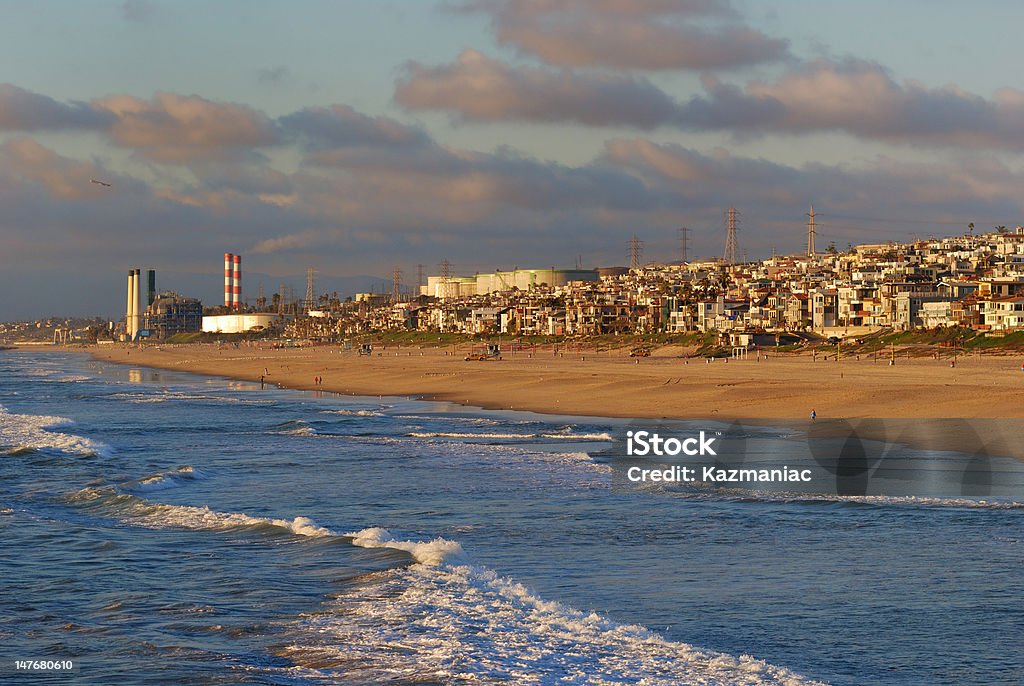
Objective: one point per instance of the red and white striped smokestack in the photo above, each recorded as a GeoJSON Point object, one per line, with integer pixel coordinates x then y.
{"type": "Point", "coordinates": [228, 267]}
{"type": "Point", "coordinates": [236, 295]}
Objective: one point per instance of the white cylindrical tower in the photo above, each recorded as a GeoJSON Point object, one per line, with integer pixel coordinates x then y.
{"type": "Point", "coordinates": [137, 304]}
{"type": "Point", "coordinates": [236, 285]}
{"type": "Point", "coordinates": [228, 272]}
{"type": "Point", "coordinates": [130, 308]}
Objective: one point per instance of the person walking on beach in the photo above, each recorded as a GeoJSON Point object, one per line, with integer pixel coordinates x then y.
{"type": "Point", "coordinates": [814, 415]}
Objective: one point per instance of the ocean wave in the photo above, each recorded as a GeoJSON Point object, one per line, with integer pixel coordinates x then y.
{"type": "Point", "coordinates": [431, 553]}
{"type": "Point", "coordinates": [466, 435]}
{"type": "Point", "coordinates": [73, 378]}
{"type": "Point", "coordinates": [511, 436]}
{"type": "Point", "coordinates": [27, 433]}
{"type": "Point", "coordinates": [140, 512]}
{"type": "Point", "coordinates": [356, 413]}
{"type": "Point", "coordinates": [295, 427]}
{"type": "Point", "coordinates": [163, 480]}
{"type": "Point", "coordinates": [747, 496]}
{"type": "Point", "coordinates": [448, 620]}
{"type": "Point", "coordinates": [164, 396]}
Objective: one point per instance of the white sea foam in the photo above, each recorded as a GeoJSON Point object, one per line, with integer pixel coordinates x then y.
{"type": "Point", "coordinates": [356, 413]}
{"type": "Point", "coordinates": [152, 515]}
{"type": "Point", "coordinates": [431, 553]}
{"type": "Point", "coordinates": [450, 621]}
{"type": "Point", "coordinates": [29, 432]}
{"type": "Point", "coordinates": [73, 378]}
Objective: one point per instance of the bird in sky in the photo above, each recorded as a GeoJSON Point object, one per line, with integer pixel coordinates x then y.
{"type": "Point", "coordinates": [102, 183]}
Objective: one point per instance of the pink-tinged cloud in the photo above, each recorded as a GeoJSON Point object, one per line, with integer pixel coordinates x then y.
{"type": "Point", "coordinates": [477, 87]}
{"type": "Point", "coordinates": [61, 177]}
{"type": "Point", "coordinates": [662, 34]}
{"type": "Point", "coordinates": [176, 128]}
{"type": "Point", "coordinates": [862, 99]}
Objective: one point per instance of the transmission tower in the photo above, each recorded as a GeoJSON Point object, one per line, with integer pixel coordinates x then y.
{"type": "Point", "coordinates": [396, 284]}
{"type": "Point", "coordinates": [636, 249]}
{"type": "Point", "coordinates": [810, 232]}
{"type": "Point", "coordinates": [730, 239]}
{"type": "Point", "coordinates": [310, 296]}
{"type": "Point", "coordinates": [261, 299]}
{"type": "Point", "coordinates": [281, 299]}
{"type": "Point", "coordinates": [419, 277]}
{"type": "Point", "coordinates": [684, 238]}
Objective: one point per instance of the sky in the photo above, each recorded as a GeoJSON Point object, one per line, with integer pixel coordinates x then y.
{"type": "Point", "coordinates": [359, 136]}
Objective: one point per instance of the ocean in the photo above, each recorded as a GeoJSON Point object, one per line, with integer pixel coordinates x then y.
{"type": "Point", "coordinates": [165, 528]}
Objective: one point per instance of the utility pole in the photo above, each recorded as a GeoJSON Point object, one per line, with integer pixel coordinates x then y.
{"type": "Point", "coordinates": [684, 238]}
{"type": "Point", "coordinates": [636, 249]}
{"type": "Point", "coordinates": [810, 232]}
{"type": "Point", "coordinates": [731, 244]}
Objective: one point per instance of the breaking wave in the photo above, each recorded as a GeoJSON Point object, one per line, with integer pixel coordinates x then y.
{"type": "Point", "coordinates": [140, 512]}
{"type": "Point", "coordinates": [445, 619]}
{"type": "Point", "coordinates": [28, 433]}
{"type": "Point", "coordinates": [171, 479]}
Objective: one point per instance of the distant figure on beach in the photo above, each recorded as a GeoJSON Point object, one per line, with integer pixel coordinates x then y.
{"type": "Point", "coordinates": [262, 377]}
{"type": "Point", "coordinates": [814, 415]}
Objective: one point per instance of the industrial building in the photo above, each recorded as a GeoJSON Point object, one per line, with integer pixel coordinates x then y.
{"type": "Point", "coordinates": [519, 279]}
{"type": "Point", "coordinates": [170, 314]}
{"type": "Point", "coordinates": [239, 323]}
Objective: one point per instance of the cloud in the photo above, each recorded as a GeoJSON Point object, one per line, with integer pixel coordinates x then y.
{"type": "Point", "coordinates": [273, 75]}
{"type": "Point", "coordinates": [23, 110]}
{"type": "Point", "coordinates": [178, 128]}
{"type": "Point", "coordinates": [282, 244]}
{"type": "Point", "coordinates": [479, 88]}
{"type": "Point", "coordinates": [658, 34]}
{"type": "Point", "coordinates": [854, 97]}
{"type": "Point", "coordinates": [861, 99]}
{"type": "Point", "coordinates": [61, 177]}
{"type": "Point", "coordinates": [341, 126]}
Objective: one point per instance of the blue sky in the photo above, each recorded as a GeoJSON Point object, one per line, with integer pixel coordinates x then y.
{"type": "Point", "coordinates": [356, 136]}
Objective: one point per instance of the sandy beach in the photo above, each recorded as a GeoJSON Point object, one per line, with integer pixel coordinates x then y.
{"type": "Point", "coordinates": [611, 384]}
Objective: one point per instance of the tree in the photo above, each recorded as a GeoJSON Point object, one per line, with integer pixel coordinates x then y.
{"type": "Point", "coordinates": [831, 249]}
{"type": "Point", "coordinates": [1001, 229]}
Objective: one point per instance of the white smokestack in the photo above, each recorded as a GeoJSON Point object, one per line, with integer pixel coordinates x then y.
{"type": "Point", "coordinates": [137, 303]}
{"type": "Point", "coordinates": [129, 310]}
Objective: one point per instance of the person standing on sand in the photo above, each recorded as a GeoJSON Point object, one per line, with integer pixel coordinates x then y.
{"type": "Point", "coordinates": [814, 415]}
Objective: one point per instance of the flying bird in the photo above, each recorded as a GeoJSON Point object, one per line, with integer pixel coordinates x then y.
{"type": "Point", "coordinates": [102, 183]}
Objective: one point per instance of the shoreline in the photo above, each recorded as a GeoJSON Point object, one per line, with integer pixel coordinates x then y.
{"type": "Point", "coordinates": [969, 403]}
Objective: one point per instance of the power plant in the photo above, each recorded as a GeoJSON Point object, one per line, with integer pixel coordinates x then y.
{"type": "Point", "coordinates": [135, 308]}
{"type": "Point", "coordinates": [232, 281]}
